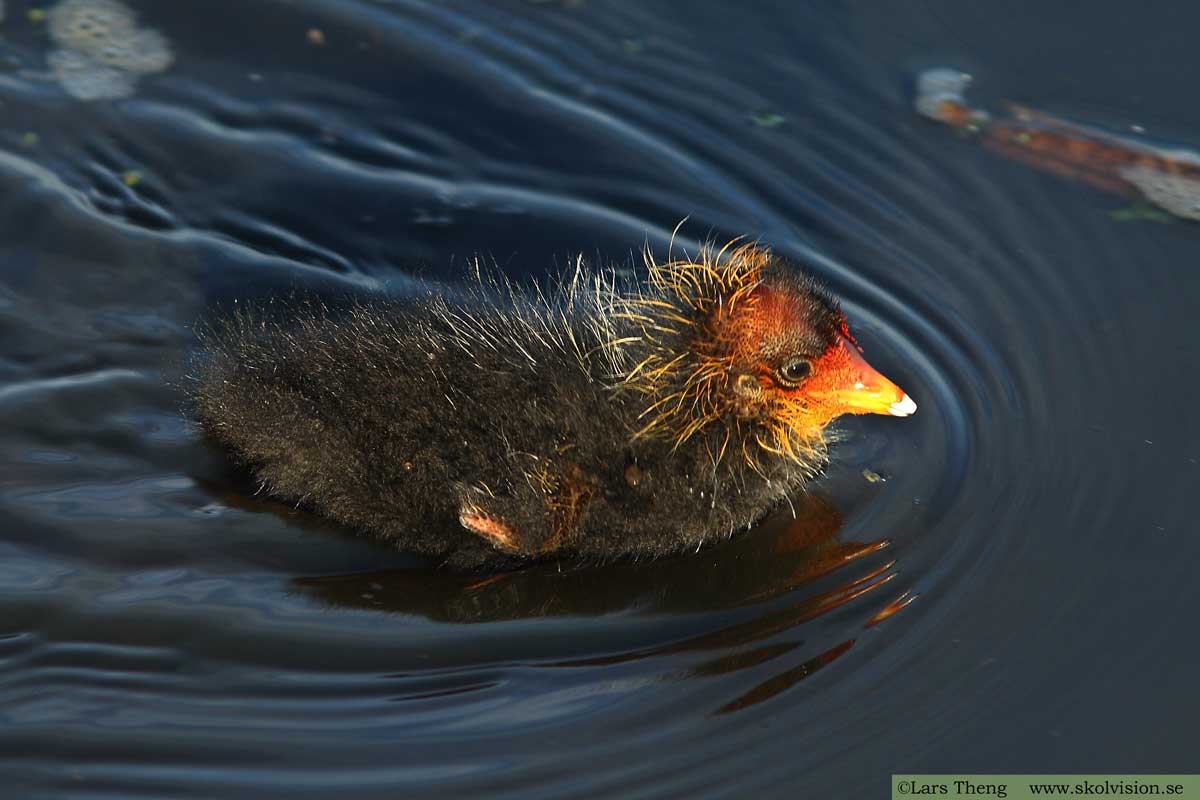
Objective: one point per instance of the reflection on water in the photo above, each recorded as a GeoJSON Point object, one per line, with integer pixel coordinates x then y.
{"type": "Point", "coordinates": [737, 574]}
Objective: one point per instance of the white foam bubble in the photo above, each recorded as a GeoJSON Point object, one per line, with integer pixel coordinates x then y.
{"type": "Point", "coordinates": [84, 78]}
{"type": "Point", "coordinates": [101, 49]}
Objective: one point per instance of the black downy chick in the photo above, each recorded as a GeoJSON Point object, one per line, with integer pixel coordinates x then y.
{"type": "Point", "coordinates": [493, 425]}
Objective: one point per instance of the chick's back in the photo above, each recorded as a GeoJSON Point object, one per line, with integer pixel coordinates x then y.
{"type": "Point", "coordinates": [389, 417]}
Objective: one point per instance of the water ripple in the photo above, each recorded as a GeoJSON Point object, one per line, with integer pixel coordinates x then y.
{"type": "Point", "coordinates": [166, 628]}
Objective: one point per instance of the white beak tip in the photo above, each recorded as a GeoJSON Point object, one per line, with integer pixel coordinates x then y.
{"type": "Point", "coordinates": [903, 408]}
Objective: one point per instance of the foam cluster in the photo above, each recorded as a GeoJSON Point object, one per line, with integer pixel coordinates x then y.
{"type": "Point", "coordinates": [102, 50]}
{"type": "Point", "coordinates": [936, 87]}
{"type": "Point", "coordinates": [1176, 192]}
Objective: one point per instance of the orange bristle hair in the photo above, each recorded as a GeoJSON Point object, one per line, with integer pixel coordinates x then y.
{"type": "Point", "coordinates": [702, 317]}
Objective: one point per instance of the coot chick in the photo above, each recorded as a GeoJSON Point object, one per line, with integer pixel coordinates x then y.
{"type": "Point", "coordinates": [493, 424]}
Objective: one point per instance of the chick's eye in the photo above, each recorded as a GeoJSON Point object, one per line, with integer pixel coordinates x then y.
{"type": "Point", "coordinates": [795, 370]}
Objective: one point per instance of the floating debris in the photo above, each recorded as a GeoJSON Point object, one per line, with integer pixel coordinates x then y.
{"type": "Point", "coordinates": [86, 79]}
{"type": "Point", "coordinates": [315, 37]}
{"type": "Point", "coordinates": [767, 119]}
{"type": "Point", "coordinates": [1140, 212]}
{"type": "Point", "coordinates": [90, 25]}
{"type": "Point", "coordinates": [35, 15]}
{"type": "Point", "coordinates": [941, 96]}
{"type": "Point", "coordinates": [872, 476]}
{"type": "Point", "coordinates": [144, 52]}
{"type": "Point", "coordinates": [132, 177]}
{"type": "Point", "coordinates": [1168, 178]}
{"type": "Point", "coordinates": [102, 50]}
{"type": "Point", "coordinates": [1175, 192]}
{"type": "Point", "coordinates": [29, 139]}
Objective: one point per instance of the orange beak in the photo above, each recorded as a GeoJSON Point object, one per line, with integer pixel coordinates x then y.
{"type": "Point", "coordinates": [858, 389]}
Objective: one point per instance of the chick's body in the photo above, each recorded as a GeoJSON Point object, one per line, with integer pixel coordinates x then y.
{"type": "Point", "coordinates": [493, 424]}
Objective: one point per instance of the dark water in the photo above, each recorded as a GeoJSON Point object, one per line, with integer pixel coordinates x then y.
{"type": "Point", "coordinates": [165, 633]}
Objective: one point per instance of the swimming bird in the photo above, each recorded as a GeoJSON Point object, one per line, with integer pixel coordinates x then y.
{"type": "Point", "coordinates": [493, 423]}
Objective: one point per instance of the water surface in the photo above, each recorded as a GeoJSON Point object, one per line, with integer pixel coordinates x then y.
{"type": "Point", "coordinates": [1015, 596]}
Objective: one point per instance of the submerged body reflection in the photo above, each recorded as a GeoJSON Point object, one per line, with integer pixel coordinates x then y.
{"type": "Point", "coordinates": [756, 571]}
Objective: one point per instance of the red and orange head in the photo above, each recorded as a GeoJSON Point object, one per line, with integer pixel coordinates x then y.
{"type": "Point", "coordinates": [738, 340]}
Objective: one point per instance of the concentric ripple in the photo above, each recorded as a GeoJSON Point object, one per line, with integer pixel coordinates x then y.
{"type": "Point", "coordinates": [946, 599]}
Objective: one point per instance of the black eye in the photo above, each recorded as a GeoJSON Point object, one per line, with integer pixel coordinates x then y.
{"type": "Point", "coordinates": [795, 371]}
